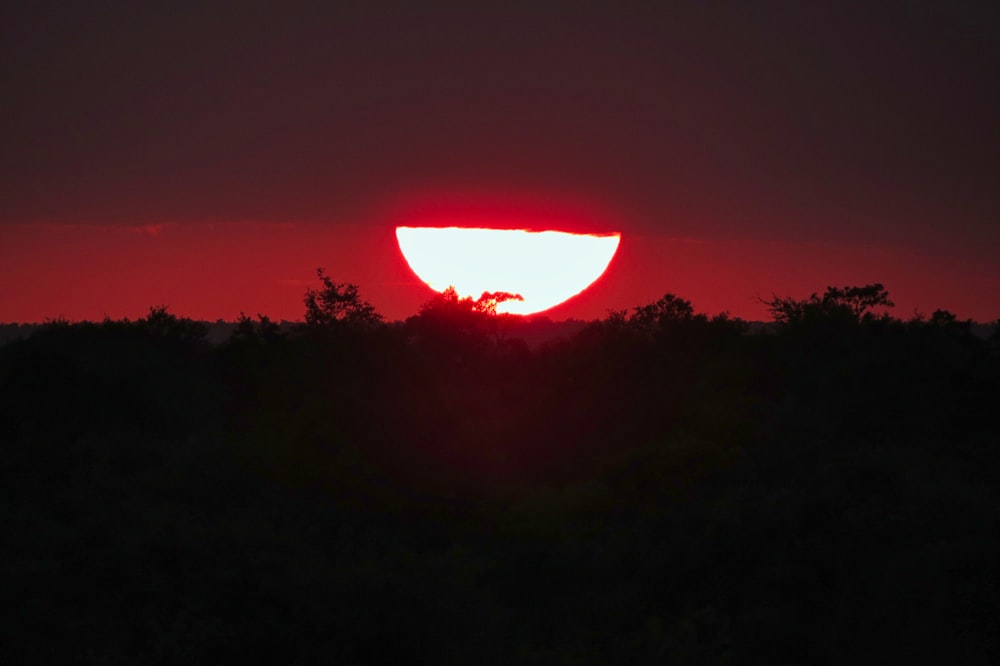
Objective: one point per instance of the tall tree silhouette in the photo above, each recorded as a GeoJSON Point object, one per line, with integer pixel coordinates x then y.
{"type": "Point", "coordinates": [337, 304]}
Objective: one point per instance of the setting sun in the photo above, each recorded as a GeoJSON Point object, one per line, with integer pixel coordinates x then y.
{"type": "Point", "coordinates": [546, 268]}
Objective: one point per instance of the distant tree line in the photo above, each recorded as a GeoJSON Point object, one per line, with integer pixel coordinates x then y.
{"type": "Point", "coordinates": [655, 486]}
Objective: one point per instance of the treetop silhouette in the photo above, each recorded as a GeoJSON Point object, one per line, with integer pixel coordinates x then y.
{"type": "Point", "coordinates": [338, 304]}
{"type": "Point", "coordinates": [857, 304]}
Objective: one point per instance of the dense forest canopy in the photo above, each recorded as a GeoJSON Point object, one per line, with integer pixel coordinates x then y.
{"type": "Point", "coordinates": [657, 486]}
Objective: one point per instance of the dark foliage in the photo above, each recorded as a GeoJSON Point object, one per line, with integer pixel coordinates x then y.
{"type": "Point", "coordinates": [338, 305]}
{"type": "Point", "coordinates": [658, 487]}
{"type": "Point", "coordinates": [846, 304]}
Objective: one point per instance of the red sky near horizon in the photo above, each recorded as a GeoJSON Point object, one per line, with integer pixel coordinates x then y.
{"type": "Point", "coordinates": [211, 157]}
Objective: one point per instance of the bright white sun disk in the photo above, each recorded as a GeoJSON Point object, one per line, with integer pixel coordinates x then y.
{"type": "Point", "coordinates": [544, 267]}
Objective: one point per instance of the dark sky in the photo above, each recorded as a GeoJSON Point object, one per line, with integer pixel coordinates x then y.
{"type": "Point", "coordinates": [836, 139]}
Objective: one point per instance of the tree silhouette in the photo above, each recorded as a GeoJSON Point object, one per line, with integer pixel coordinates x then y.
{"type": "Point", "coordinates": [847, 304]}
{"type": "Point", "coordinates": [463, 320]}
{"type": "Point", "coordinates": [161, 323]}
{"type": "Point", "coordinates": [496, 323]}
{"type": "Point", "coordinates": [669, 315]}
{"type": "Point", "coordinates": [948, 320]}
{"type": "Point", "coordinates": [488, 302]}
{"type": "Point", "coordinates": [338, 304]}
{"type": "Point", "coordinates": [263, 330]}
{"type": "Point", "coordinates": [669, 308]}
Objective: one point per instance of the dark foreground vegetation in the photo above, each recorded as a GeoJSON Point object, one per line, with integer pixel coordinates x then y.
{"type": "Point", "coordinates": [658, 488]}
